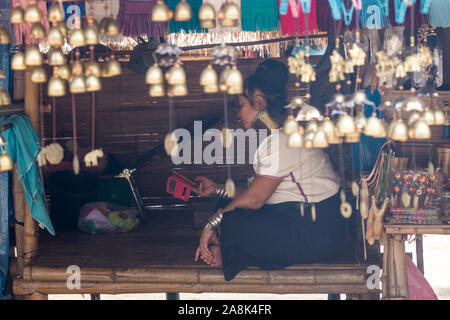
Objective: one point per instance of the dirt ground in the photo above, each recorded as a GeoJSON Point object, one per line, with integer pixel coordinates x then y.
{"type": "Point", "coordinates": [436, 265]}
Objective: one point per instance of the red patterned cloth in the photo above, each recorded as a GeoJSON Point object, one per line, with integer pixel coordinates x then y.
{"type": "Point", "coordinates": [289, 23]}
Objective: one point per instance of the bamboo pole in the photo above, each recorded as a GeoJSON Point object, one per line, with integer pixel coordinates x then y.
{"type": "Point", "coordinates": [19, 213]}
{"type": "Point", "coordinates": [390, 272]}
{"type": "Point", "coordinates": [30, 225]}
{"type": "Point", "coordinates": [419, 253]}
{"type": "Point", "coordinates": [400, 267]}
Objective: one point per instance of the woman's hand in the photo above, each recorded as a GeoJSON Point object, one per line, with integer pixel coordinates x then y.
{"type": "Point", "coordinates": [206, 186]}
{"type": "Point", "coordinates": [208, 237]}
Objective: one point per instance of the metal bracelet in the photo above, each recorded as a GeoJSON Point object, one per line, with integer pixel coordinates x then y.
{"type": "Point", "coordinates": [215, 220]}
{"type": "Point", "coordinates": [221, 192]}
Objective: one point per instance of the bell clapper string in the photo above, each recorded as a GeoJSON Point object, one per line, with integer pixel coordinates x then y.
{"type": "Point", "coordinates": [93, 107]}
{"type": "Point", "coordinates": [41, 114]}
{"type": "Point", "coordinates": [74, 124]}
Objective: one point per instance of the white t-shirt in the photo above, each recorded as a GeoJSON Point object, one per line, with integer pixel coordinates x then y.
{"type": "Point", "coordinates": [308, 175]}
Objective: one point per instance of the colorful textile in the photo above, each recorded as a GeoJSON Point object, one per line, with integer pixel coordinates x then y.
{"type": "Point", "coordinates": [23, 147]}
{"type": "Point", "coordinates": [323, 14]}
{"type": "Point", "coordinates": [260, 15]}
{"type": "Point", "coordinates": [419, 19]}
{"type": "Point", "coordinates": [294, 20]}
{"type": "Point", "coordinates": [5, 213]}
{"type": "Point", "coordinates": [439, 13]}
{"type": "Point", "coordinates": [22, 32]}
{"type": "Point", "coordinates": [135, 19]}
{"type": "Point", "coordinates": [189, 26]}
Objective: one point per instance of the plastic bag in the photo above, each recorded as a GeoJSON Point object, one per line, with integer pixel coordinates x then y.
{"type": "Point", "coordinates": [104, 217]}
{"type": "Point", "coordinates": [418, 286]}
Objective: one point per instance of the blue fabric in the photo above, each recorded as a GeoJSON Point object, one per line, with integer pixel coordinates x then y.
{"type": "Point", "coordinates": [5, 212]}
{"type": "Point", "coordinates": [372, 14]}
{"type": "Point", "coordinates": [365, 152]}
{"type": "Point", "coordinates": [23, 147]}
{"type": "Point", "coordinates": [439, 13]}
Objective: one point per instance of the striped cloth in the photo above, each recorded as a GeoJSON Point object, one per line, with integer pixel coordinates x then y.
{"type": "Point", "coordinates": [135, 19]}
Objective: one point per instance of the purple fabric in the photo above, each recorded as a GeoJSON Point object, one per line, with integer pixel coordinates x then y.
{"type": "Point", "coordinates": [135, 19]}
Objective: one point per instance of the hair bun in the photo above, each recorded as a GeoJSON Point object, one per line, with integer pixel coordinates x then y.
{"type": "Point", "coordinates": [274, 72]}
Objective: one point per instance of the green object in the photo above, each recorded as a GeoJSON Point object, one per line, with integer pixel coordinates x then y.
{"type": "Point", "coordinates": [260, 15]}
{"type": "Point", "coordinates": [117, 191]}
{"type": "Point", "coordinates": [121, 220]}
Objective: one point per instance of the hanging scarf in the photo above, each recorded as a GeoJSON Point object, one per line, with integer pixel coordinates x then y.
{"type": "Point", "coordinates": [324, 19]}
{"type": "Point", "coordinates": [135, 19]}
{"type": "Point", "coordinates": [23, 31]}
{"type": "Point", "coordinates": [439, 13]}
{"type": "Point", "coordinates": [189, 26]}
{"type": "Point", "coordinates": [295, 19]}
{"type": "Point", "coordinates": [260, 15]}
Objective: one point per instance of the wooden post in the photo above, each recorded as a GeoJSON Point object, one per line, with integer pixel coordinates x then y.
{"type": "Point", "coordinates": [30, 225]}
{"type": "Point", "coordinates": [419, 253]}
{"type": "Point", "coordinates": [390, 274]}
{"type": "Point", "coordinates": [19, 213]}
{"type": "Point", "coordinates": [401, 275]}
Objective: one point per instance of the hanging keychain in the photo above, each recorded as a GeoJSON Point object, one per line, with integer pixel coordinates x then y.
{"type": "Point", "coordinates": [348, 15]}
{"type": "Point", "coordinates": [400, 10]}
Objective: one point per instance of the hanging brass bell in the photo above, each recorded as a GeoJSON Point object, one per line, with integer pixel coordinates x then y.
{"type": "Point", "coordinates": [354, 137]}
{"type": "Point", "coordinates": [105, 69]}
{"type": "Point", "coordinates": [235, 90]}
{"type": "Point", "coordinates": [154, 75]}
{"type": "Point", "coordinates": [54, 37]}
{"type": "Point", "coordinates": [32, 13]}
{"type": "Point", "coordinates": [360, 122]}
{"type": "Point", "coordinates": [114, 67]}
{"type": "Point", "coordinates": [91, 35]}
{"type": "Point", "coordinates": [229, 15]}
{"type": "Point", "coordinates": [76, 38]}
{"type": "Point", "coordinates": [55, 13]}
{"type": "Point", "coordinates": [373, 126]}
{"type": "Point", "coordinates": [234, 78]}
{"type": "Point", "coordinates": [56, 87]}
{"type": "Point", "coordinates": [382, 133]}
{"type": "Point", "coordinates": [439, 117]}
{"type": "Point", "coordinates": [327, 126]}
{"type": "Point", "coordinates": [211, 88]}
{"type": "Point", "coordinates": [345, 124]}
{"type": "Point", "coordinates": [183, 11]}
{"type": "Point", "coordinates": [56, 57]}
{"type": "Point", "coordinates": [93, 83]}
{"type": "Point", "coordinates": [223, 79]}
{"type": "Point", "coordinates": [207, 16]}
{"type": "Point", "coordinates": [421, 130]}
{"type": "Point", "coordinates": [5, 38]}
{"type": "Point", "coordinates": [320, 139]}
{"type": "Point", "coordinates": [399, 131]}
{"type": "Point", "coordinates": [6, 163]}
{"type": "Point", "coordinates": [290, 126]}
{"type": "Point", "coordinates": [18, 61]}
{"type": "Point", "coordinates": [92, 68]}
{"type": "Point", "coordinates": [179, 90]}
{"type": "Point", "coordinates": [208, 76]}
{"type": "Point", "coordinates": [413, 116]}
{"type": "Point", "coordinates": [33, 56]}
{"type": "Point", "coordinates": [64, 72]}
{"type": "Point", "coordinates": [161, 12]}
{"type": "Point", "coordinates": [112, 28]}
{"type": "Point", "coordinates": [311, 126]}
{"type": "Point", "coordinates": [17, 15]}
{"type": "Point", "coordinates": [5, 99]}
{"type": "Point", "coordinates": [295, 140]}
{"type": "Point", "coordinates": [176, 75]}
{"type": "Point", "coordinates": [428, 116]}
{"type": "Point", "coordinates": [37, 31]}
{"type": "Point", "coordinates": [77, 84]}
{"type": "Point", "coordinates": [413, 103]}
{"type": "Point", "coordinates": [38, 75]}
{"type": "Point", "coordinates": [308, 140]}
{"type": "Point", "coordinates": [103, 23]}
{"type": "Point", "coordinates": [157, 90]}
{"type": "Point", "coordinates": [63, 28]}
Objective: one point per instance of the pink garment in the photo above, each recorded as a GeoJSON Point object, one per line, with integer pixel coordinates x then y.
{"type": "Point", "coordinates": [418, 286]}
{"type": "Point", "coordinates": [23, 31]}
{"type": "Point", "coordinates": [295, 19]}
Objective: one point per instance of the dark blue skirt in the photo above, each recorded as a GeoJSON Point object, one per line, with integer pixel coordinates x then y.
{"type": "Point", "coordinates": [276, 236]}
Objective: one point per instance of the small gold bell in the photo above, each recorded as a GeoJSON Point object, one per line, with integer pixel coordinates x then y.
{"type": "Point", "coordinates": [413, 103]}
{"type": "Point", "coordinates": [399, 132]}
{"type": "Point", "coordinates": [161, 12]}
{"type": "Point", "coordinates": [290, 126]}
{"type": "Point", "coordinates": [18, 61]}
{"type": "Point", "coordinates": [295, 140]}
{"type": "Point", "coordinates": [6, 163]}
{"type": "Point", "coordinates": [311, 126]}
{"type": "Point", "coordinates": [37, 31]}
{"type": "Point", "coordinates": [56, 87]}
{"type": "Point", "coordinates": [234, 78]}
{"type": "Point", "coordinates": [157, 90]}
{"type": "Point", "coordinates": [360, 122]}
{"type": "Point", "coordinates": [211, 88]}
{"type": "Point", "coordinates": [112, 28]}
{"type": "Point", "coordinates": [327, 126]}
{"type": "Point", "coordinates": [76, 38]}
{"type": "Point", "coordinates": [421, 130]}
{"type": "Point", "coordinates": [91, 35]}
{"type": "Point", "coordinates": [413, 116]}
{"type": "Point", "coordinates": [114, 67]}
{"type": "Point", "coordinates": [439, 117]}
{"type": "Point", "coordinates": [176, 75]}
{"type": "Point", "coordinates": [55, 37]}
{"type": "Point", "coordinates": [92, 67]}
{"type": "Point", "coordinates": [179, 90]}
{"type": "Point", "coordinates": [154, 75]}
{"type": "Point", "coordinates": [5, 38]}
{"type": "Point", "coordinates": [64, 72]}
{"type": "Point", "coordinates": [229, 15]}
{"type": "Point", "coordinates": [207, 16]}
{"type": "Point", "coordinates": [93, 83]}
{"type": "Point", "coordinates": [32, 13]}
{"type": "Point", "coordinates": [373, 126]}
{"type": "Point", "coordinates": [208, 76]}
{"type": "Point", "coordinates": [63, 28]}
{"type": "Point", "coordinates": [77, 84]}
{"type": "Point", "coordinates": [33, 56]}
{"type": "Point", "coordinates": [17, 15]}
{"type": "Point", "coordinates": [38, 75]}
{"type": "Point", "coordinates": [345, 124]}
{"type": "Point", "coordinates": [55, 13]}
{"type": "Point", "coordinates": [223, 79]}
{"type": "Point", "coordinates": [56, 57]}
{"type": "Point", "coordinates": [5, 99]}
{"type": "Point", "coordinates": [183, 11]}
{"type": "Point", "coordinates": [428, 116]}
{"type": "Point", "coordinates": [235, 90]}
{"type": "Point", "coordinates": [320, 139]}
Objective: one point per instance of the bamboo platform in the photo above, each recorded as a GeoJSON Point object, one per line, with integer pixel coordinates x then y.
{"type": "Point", "coordinates": [417, 229]}
{"type": "Point", "coordinates": [159, 257]}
